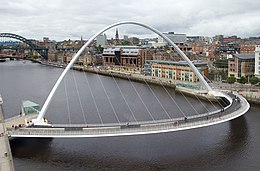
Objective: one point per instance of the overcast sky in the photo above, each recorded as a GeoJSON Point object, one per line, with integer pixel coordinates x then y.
{"type": "Point", "coordinates": [64, 19]}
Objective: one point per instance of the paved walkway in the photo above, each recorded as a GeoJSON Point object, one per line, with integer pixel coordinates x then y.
{"type": "Point", "coordinates": [238, 108]}
{"type": "Point", "coordinates": [6, 160]}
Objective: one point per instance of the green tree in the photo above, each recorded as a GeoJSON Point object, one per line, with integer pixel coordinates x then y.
{"type": "Point", "coordinates": [254, 80]}
{"type": "Point", "coordinates": [31, 56]}
{"type": "Point", "coordinates": [222, 73]}
{"type": "Point", "coordinates": [242, 80]}
{"type": "Point", "coordinates": [221, 63]}
{"type": "Point", "coordinates": [231, 80]}
{"type": "Point", "coordinates": [166, 47]}
{"type": "Point", "coordinates": [99, 49]}
{"type": "Point", "coordinates": [125, 43]}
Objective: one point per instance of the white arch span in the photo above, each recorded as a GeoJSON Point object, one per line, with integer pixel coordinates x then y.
{"type": "Point", "coordinates": [39, 119]}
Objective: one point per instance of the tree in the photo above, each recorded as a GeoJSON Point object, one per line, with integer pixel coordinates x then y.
{"type": "Point", "coordinates": [99, 49]}
{"type": "Point", "coordinates": [166, 47]}
{"type": "Point", "coordinates": [221, 74]}
{"type": "Point", "coordinates": [126, 43]}
{"type": "Point", "coordinates": [254, 80]}
{"type": "Point", "coordinates": [242, 80]}
{"type": "Point", "coordinates": [31, 56]}
{"type": "Point", "coordinates": [221, 63]}
{"type": "Point", "coordinates": [231, 80]}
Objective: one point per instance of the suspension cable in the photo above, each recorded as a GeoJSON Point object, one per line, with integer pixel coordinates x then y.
{"type": "Point", "coordinates": [108, 99]}
{"type": "Point", "coordinates": [80, 103]}
{"type": "Point", "coordinates": [172, 99]}
{"type": "Point", "coordinates": [94, 100]}
{"type": "Point", "coordinates": [124, 98]}
{"type": "Point", "coordinates": [213, 96]}
{"type": "Point", "coordinates": [189, 101]}
{"type": "Point", "coordinates": [67, 100]}
{"type": "Point", "coordinates": [157, 99]}
{"type": "Point", "coordinates": [149, 112]}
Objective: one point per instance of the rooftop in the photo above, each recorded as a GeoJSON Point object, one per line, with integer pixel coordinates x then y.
{"type": "Point", "coordinates": [28, 103]}
{"type": "Point", "coordinates": [196, 62]}
{"type": "Point", "coordinates": [245, 56]}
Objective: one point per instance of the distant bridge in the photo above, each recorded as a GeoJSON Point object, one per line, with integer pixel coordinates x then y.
{"type": "Point", "coordinates": [41, 50]}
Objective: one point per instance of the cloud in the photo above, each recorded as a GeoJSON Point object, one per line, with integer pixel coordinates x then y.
{"type": "Point", "coordinates": [63, 19]}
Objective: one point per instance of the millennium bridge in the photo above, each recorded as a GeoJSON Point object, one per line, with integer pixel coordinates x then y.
{"type": "Point", "coordinates": [235, 106]}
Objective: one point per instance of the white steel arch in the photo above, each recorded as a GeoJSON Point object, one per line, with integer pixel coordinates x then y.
{"type": "Point", "coordinates": [39, 119]}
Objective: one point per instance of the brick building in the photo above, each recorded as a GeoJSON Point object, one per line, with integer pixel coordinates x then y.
{"type": "Point", "coordinates": [126, 56]}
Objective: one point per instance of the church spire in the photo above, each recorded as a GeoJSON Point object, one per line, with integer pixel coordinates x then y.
{"type": "Point", "coordinates": [117, 42]}
{"type": "Point", "coordinates": [117, 35]}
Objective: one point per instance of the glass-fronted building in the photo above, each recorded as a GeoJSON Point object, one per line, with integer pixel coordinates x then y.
{"type": "Point", "coordinates": [241, 65]}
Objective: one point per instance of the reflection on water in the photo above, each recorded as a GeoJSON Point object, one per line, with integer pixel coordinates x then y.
{"type": "Point", "coordinates": [30, 147]}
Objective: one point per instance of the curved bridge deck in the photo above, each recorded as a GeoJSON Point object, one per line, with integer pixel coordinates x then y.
{"type": "Point", "coordinates": [237, 109]}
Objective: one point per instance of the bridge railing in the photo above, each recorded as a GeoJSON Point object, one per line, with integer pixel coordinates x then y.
{"type": "Point", "coordinates": [142, 129]}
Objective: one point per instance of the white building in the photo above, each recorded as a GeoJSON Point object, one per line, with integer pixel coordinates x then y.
{"type": "Point", "coordinates": [176, 38]}
{"type": "Point", "coordinates": [257, 61]}
{"type": "Point", "coordinates": [102, 40]}
{"type": "Point", "coordinates": [122, 55]}
{"type": "Point", "coordinates": [156, 44]}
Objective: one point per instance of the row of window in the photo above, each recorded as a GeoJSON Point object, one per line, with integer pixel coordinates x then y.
{"type": "Point", "coordinates": [170, 72]}
{"type": "Point", "coordinates": [105, 51]}
{"type": "Point", "coordinates": [130, 52]}
{"type": "Point", "coordinates": [174, 78]}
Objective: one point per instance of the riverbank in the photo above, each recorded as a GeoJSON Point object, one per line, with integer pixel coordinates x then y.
{"type": "Point", "coordinates": [251, 96]}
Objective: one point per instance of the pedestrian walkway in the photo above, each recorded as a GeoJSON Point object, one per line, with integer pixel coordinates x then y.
{"type": "Point", "coordinates": [6, 161]}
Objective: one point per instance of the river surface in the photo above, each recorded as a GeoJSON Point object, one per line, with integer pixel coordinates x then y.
{"type": "Point", "coordinates": [90, 98]}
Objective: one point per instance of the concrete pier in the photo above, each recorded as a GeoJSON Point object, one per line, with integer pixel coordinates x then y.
{"type": "Point", "coordinates": [6, 160]}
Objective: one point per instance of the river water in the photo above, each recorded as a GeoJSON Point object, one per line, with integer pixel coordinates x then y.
{"type": "Point", "coordinates": [233, 145]}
